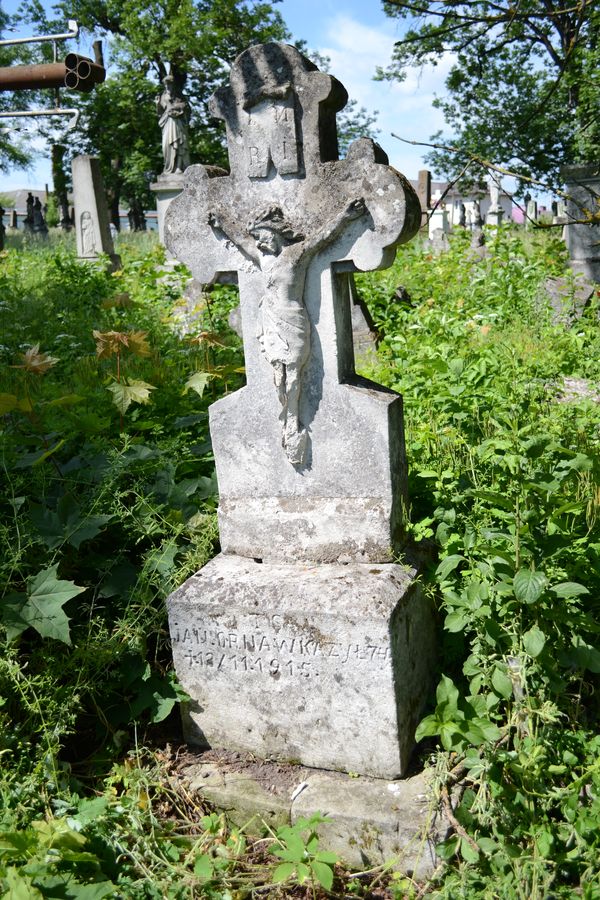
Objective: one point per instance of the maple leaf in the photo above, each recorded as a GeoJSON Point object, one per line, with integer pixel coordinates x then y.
{"type": "Point", "coordinates": [109, 342]}
{"type": "Point", "coordinates": [208, 337]}
{"type": "Point", "coordinates": [126, 393]}
{"type": "Point", "coordinates": [197, 382]}
{"type": "Point", "coordinates": [41, 608]}
{"type": "Point", "coordinates": [34, 361]}
{"type": "Point", "coordinates": [138, 344]}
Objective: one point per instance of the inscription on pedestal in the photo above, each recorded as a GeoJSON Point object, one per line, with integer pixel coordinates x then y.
{"type": "Point", "coordinates": [261, 647]}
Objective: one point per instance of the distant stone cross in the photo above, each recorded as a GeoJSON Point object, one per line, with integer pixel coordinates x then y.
{"type": "Point", "coordinates": [289, 221]}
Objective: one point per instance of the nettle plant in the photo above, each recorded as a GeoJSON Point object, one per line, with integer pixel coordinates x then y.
{"type": "Point", "coordinates": [505, 479]}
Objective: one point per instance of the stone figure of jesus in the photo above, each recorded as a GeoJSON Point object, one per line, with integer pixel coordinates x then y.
{"type": "Point", "coordinates": [173, 115]}
{"type": "Point", "coordinates": [283, 255]}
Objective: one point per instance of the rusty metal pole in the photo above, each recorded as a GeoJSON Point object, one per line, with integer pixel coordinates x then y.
{"type": "Point", "coordinates": [77, 73]}
{"type": "Point", "coordinates": [23, 78]}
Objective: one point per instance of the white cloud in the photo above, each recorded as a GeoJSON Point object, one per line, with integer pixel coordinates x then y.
{"type": "Point", "coordinates": [405, 108]}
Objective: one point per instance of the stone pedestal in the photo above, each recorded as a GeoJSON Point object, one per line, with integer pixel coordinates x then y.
{"type": "Point", "coordinates": [91, 212]}
{"type": "Point", "coordinates": [328, 665]}
{"type": "Point", "coordinates": [166, 188]}
{"type": "Point", "coordinates": [582, 185]}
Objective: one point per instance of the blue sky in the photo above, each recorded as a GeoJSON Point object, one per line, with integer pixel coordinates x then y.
{"type": "Point", "coordinates": [357, 37]}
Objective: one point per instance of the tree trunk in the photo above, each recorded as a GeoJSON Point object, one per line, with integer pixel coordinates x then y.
{"type": "Point", "coordinates": [59, 181]}
{"type": "Point", "coordinates": [113, 193]}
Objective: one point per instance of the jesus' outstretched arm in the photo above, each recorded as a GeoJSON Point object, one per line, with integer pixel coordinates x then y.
{"type": "Point", "coordinates": [232, 231]}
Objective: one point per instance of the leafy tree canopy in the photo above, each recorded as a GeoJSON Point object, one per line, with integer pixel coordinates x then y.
{"type": "Point", "coordinates": [144, 40]}
{"type": "Point", "coordinates": [524, 87]}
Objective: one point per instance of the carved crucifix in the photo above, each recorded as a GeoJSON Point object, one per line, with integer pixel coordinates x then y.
{"type": "Point", "coordinates": [307, 449]}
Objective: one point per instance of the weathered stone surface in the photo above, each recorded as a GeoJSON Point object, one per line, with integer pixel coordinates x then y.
{"type": "Point", "coordinates": [568, 298]}
{"type": "Point", "coordinates": [573, 390]}
{"type": "Point", "coordinates": [91, 212]}
{"type": "Point", "coordinates": [375, 822]}
{"type": "Point", "coordinates": [372, 821]}
{"type": "Point", "coordinates": [424, 194]}
{"type": "Point", "coordinates": [307, 452]}
{"type": "Point", "coordinates": [166, 188]}
{"type": "Point", "coordinates": [438, 222]}
{"type": "Point", "coordinates": [582, 186]}
{"type": "Point", "coordinates": [329, 665]}
{"type": "Point", "coordinates": [364, 333]}
{"type": "Point", "coordinates": [531, 214]}
{"type": "Point", "coordinates": [240, 796]}
{"type": "Point", "coordinates": [439, 242]}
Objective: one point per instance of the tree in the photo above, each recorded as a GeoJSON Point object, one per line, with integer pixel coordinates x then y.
{"type": "Point", "coordinates": [195, 40]}
{"type": "Point", "coordinates": [524, 87]}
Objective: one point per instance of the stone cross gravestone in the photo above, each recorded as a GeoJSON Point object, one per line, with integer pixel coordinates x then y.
{"type": "Point", "coordinates": [582, 186]}
{"type": "Point", "coordinates": [91, 211]}
{"type": "Point", "coordinates": [302, 639]}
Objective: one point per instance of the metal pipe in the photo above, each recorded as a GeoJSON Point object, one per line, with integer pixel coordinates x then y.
{"type": "Point", "coordinates": [76, 72]}
{"type": "Point", "coordinates": [75, 113]}
{"type": "Point", "coordinates": [71, 33]}
{"type": "Point", "coordinates": [86, 69]}
{"type": "Point", "coordinates": [20, 78]}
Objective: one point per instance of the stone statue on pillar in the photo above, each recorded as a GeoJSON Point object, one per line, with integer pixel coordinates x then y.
{"type": "Point", "coordinates": [173, 113]}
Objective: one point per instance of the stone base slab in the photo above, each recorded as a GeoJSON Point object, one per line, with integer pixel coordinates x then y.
{"type": "Point", "coordinates": [371, 822]}
{"type": "Point", "coordinates": [327, 665]}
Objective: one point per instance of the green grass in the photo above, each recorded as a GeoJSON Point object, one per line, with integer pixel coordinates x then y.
{"type": "Point", "coordinates": [109, 502]}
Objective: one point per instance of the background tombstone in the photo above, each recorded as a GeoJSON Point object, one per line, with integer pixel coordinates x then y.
{"type": "Point", "coordinates": [13, 219]}
{"type": "Point", "coordinates": [91, 211]}
{"type": "Point", "coordinates": [302, 639]}
{"type": "Point", "coordinates": [39, 223]}
{"type": "Point", "coordinates": [424, 194]}
{"type": "Point", "coordinates": [582, 186]}
{"type": "Point", "coordinates": [28, 220]}
{"type": "Point", "coordinates": [531, 213]}
{"type": "Point", "coordinates": [495, 213]}
{"type": "Point", "coordinates": [438, 222]}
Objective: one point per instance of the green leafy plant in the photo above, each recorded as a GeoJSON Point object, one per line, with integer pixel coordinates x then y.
{"type": "Point", "coordinates": [298, 846]}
